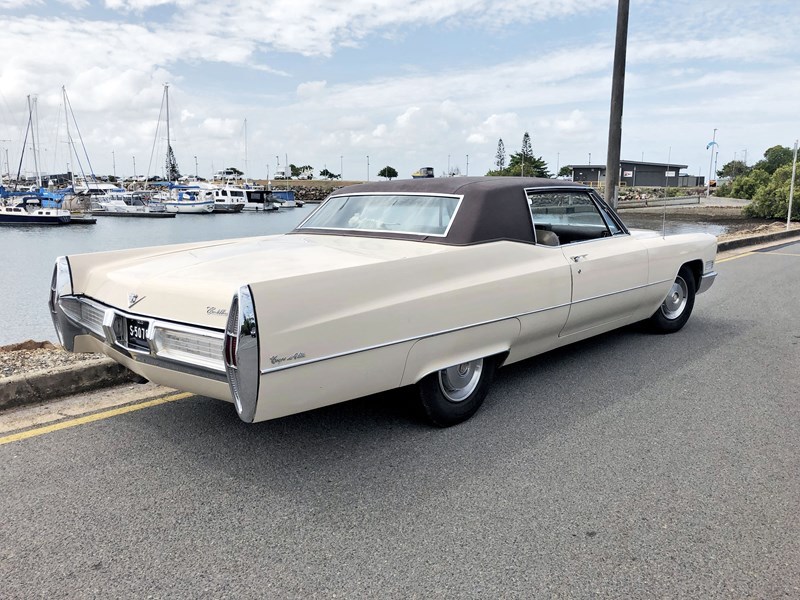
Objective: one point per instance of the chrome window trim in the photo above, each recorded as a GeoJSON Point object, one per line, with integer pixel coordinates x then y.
{"type": "Point", "coordinates": [460, 197]}
{"type": "Point", "coordinates": [600, 205]}
{"type": "Point", "coordinates": [300, 363]}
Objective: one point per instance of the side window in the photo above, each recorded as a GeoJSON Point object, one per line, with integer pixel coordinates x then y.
{"type": "Point", "coordinates": [571, 215]}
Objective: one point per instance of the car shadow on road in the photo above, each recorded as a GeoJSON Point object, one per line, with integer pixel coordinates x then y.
{"type": "Point", "coordinates": [380, 439]}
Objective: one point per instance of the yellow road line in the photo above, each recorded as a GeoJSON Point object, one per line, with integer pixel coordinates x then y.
{"type": "Point", "coordinates": [24, 435]}
{"type": "Point", "coordinates": [722, 260]}
{"type": "Point", "coordinates": [783, 253]}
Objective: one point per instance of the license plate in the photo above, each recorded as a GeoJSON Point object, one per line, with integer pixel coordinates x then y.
{"type": "Point", "coordinates": [136, 332]}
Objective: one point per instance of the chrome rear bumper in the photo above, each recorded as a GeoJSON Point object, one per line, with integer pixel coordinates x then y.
{"type": "Point", "coordinates": [174, 346]}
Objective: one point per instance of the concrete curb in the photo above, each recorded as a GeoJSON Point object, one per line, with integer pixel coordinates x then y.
{"type": "Point", "coordinates": [41, 386]}
{"type": "Point", "coordinates": [755, 240]}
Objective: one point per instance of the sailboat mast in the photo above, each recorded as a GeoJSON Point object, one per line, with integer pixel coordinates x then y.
{"type": "Point", "coordinates": [169, 148]}
{"type": "Point", "coordinates": [34, 135]}
{"type": "Point", "coordinates": [245, 150]}
{"type": "Point", "coordinates": [69, 138]}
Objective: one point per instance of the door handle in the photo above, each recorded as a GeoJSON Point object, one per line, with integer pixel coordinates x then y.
{"type": "Point", "coordinates": [579, 257]}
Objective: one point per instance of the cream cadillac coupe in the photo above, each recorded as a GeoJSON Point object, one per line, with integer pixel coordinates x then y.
{"type": "Point", "coordinates": [433, 283]}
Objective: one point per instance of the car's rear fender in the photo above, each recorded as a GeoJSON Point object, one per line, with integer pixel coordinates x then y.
{"type": "Point", "coordinates": [434, 353]}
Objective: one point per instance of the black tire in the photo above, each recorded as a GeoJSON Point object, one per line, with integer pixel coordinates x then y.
{"type": "Point", "coordinates": [677, 307]}
{"type": "Point", "coordinates": [453, 395]}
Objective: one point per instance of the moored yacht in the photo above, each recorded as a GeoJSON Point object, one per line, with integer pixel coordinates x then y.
{"type": "Point", "coordinates": [19, 215]}
{"type": "Point", "coordinates": [226, 199]}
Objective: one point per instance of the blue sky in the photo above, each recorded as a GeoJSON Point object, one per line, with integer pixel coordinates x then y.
{"type": "Point", "coordinates": [409, 84]}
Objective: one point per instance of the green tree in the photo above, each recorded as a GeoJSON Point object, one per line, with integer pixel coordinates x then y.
{"type": "Point", "coordinates": [733, 169]}
{"type": "Point", "coordinates": [565, 171]}
{"type": "Point", "coordinates": [526, 152]}
{"type": "Point", "coordinates": [774, 158]}
{"type": "Point", "coordinates": [388, 172]}
{"type": "Point", "coordinates": [173, 173]}
{"type": "Point", "coordinates": [328, 175]}
{"type": "Point", "coordinates": [771, 199]}
{"type": "Point", "coordinates": [524, 163]}
{"type": "Point", "coordinates": [296, 171]}
{"type": "Point", "coordinates": [746, 186]}
{"type": "Point", "coordinates": [235, 171]}
{"type": "Point", "coordinates": [500, 157]}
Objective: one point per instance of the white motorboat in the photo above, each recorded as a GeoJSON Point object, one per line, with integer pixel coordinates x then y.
{"type": "Point", "coordinates": [226, 199]}
{"type": "Point", "coordinates": [183, 200]}
{"type": "Point", "coordinates": [19, 215]}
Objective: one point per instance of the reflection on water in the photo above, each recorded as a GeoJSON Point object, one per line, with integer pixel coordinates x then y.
{"type": "Point", "coordinates": [671, 226]}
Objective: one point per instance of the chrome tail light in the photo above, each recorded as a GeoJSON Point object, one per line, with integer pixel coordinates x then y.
{"type": "Point", "coordinates": [61, 285]}
{"type": "Point", "coordinates": [240, 349]}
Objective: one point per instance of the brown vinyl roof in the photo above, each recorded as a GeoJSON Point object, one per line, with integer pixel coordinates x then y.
{"type": "Point", "coordinates": [492, 209]}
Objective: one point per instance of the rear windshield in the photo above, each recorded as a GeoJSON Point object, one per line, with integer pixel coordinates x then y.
{"type": "Point", "coordinates": [397, 213]}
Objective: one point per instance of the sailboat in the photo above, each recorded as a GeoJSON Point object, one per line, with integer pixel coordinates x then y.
{"type": "Point", "coordinates": [20, 207]}
{"type": "Point", "coordinates": [180, 198]}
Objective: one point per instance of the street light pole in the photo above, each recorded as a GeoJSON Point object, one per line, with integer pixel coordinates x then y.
{"type": "Point", "coordinates": [467, 175]}
{"type": "Point", "coordinates": [341, 166]}
{"type": "Point", "coordinates": [711, 145]}
{"type": "Point", "coordinates": [134, 168]}
{"type": "Point", "coordinates": [791, 187]}
{"type": "Point", "coordinates": [367, 167]}
{"type": "Point", "coordinates": [195, 167]}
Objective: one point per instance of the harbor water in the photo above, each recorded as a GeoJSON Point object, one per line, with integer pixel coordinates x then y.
{"type": "Point", "coordinates": [28, 253]}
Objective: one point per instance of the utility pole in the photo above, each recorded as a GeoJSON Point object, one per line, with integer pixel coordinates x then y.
{"type": "Point", "coordinates": [791, 187]}
{"type": "Point", "coordinates": [367, 167]}
{"type": "Point", "coordinates": [711, 145]}
{"type": "Point", "coordinates": [617, 95]}
{"type": "Point", "coordinates": [467, 173]}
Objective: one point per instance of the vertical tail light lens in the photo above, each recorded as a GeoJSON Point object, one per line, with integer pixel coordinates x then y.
{"type": "Point", "coordinates": [242, 355]}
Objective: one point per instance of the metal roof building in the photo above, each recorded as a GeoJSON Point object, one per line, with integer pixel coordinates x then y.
{"type": "Point", "coordinates": [638, 173]}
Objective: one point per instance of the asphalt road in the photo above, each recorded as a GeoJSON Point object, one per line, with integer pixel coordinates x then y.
{"type": "Point", "coordinates": [629, 466]}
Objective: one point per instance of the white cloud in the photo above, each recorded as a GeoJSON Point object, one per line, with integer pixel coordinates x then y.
{"type": "Point", "coordinates": [17, 4]}
{"type": "Point", "coordinates": [691, 68]}
{"type": "Point", "coordinates": [220, 128]}
{"type": "Point", "coordinates": [404, 119]}
{"type": "Point", "coordinates": [311, 88]}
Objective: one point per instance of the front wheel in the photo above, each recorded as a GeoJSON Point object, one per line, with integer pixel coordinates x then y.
{"type": "Point", "coordinates": [452, 395]}
{"type": "Point", "coordinates": [677, 306]}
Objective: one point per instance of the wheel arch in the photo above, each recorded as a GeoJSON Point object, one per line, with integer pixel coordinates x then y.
{"type": "Point", "coordinates": [434, 353]}
{"type": "Point", "coordinates": [696, 267]}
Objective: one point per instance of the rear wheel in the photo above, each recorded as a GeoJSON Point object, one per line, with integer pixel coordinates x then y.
{"type": "Point", "coordinates": [677, 306]}
{"type": "Point", "coordinates": [452, 395]}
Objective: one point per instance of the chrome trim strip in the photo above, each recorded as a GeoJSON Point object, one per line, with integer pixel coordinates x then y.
{"type": "Point", "coordinates": [706, 281]}
{"type": "Point", "coordinates": [267, 371]}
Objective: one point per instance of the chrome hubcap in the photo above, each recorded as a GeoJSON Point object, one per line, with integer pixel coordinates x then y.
{"type": "Point", "coordinates": [459, 381]}
{"type": "Point", "coordinates": [675, 302]}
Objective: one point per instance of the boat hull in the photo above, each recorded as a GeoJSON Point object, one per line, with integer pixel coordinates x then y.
{"type": "Point", "coordinates": [190, 207]}
{"type": "Point", "coordinates": [39, 217]}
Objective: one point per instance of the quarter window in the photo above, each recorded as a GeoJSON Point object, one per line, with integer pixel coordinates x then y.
{"type": "Point", "coordinates": [571, 215]}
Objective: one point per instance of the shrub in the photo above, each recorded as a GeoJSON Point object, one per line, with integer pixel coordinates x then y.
{"type": "Point", "coordinates": [771, 200]}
